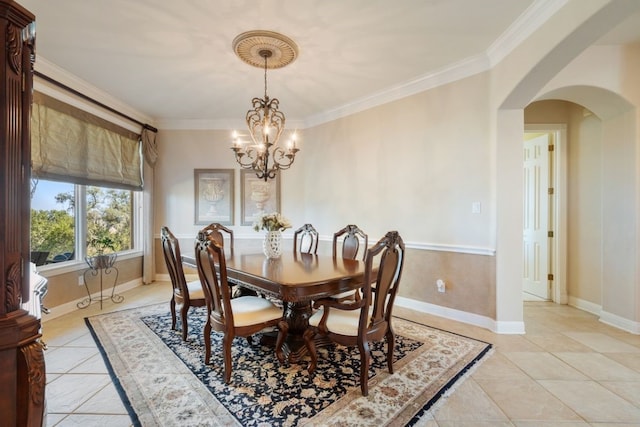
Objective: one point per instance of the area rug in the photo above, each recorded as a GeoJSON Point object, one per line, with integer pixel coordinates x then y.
{"type": "Point", "coordinates": [163, 381]}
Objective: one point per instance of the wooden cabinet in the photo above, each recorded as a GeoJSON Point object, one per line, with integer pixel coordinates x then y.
{"type": "Point", "coordinates": [22, 372]}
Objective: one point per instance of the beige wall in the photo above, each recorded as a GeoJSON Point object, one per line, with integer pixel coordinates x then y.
{"type": "Point", "coordinates": [600, 80]}
{"type": "Point", "coordinates": [64, 288]}
{"type": "Point", "coordinates": [408, 166]}
{"type": "Point", "coordinates": [585, 204]}
{"type": "Point", "coordinates": [469, 278]}
{"type": "Point", "coordinates": [415, 165]}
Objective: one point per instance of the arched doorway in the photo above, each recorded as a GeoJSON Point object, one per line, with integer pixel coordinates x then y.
{"type": "Point", "coordinates": [550, 75]}
{"type": "Point", "coordinates": [600, 183]}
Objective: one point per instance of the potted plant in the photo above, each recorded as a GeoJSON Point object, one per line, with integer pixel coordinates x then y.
{"type": "Point", "coordinates": [101, 244]}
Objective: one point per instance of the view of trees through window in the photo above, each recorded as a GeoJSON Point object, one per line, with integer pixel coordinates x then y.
{"type": "Point", "coordinates": [107, 213]}
{"type": "Point", "coordinates": [108, 220]}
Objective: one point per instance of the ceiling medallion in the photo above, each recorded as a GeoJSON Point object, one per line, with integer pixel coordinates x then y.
{"type": "Point", "coordinates": [249, 45]}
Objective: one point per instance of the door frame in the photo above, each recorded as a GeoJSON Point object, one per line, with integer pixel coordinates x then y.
{"type": "Point", "coordinates": [558, 218]}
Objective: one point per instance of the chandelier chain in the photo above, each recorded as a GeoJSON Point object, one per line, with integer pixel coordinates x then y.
{"type": "Point", "coordinates": [265, 75]}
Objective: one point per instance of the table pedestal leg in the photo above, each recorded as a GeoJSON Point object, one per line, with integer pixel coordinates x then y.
{"type": "Point", "coordinates": [297, 316]}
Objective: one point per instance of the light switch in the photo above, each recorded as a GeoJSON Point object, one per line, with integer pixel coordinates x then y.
{"type": "Point", "coordinates": [476, 207]}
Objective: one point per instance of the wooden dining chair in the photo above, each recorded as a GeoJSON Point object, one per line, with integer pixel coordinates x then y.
{"type": "Point", "coordinates": [351, 237]}
{"type": "Point", "coordinates": [360, 322]}
{"type": "Point", "coordinates": [185, 295]}
{"type": "Point", "coordinates": [218, 231]}
{"type": "Point", "coordinates": [305, 240]}
{"type": "Point", "coordinates": [238, 317]}
{"type": "Point", "coordinates": [221, 234]}
{"type": "Point", "coordinates": [350, 242]}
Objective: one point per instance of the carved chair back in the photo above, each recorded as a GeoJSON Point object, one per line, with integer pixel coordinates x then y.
{"type": "Point", "coordinates": [305, 240]}
{"type": "Point", "coordinates": [212, 270]}
{"type": "Point", "coordinates": [217, 230]}
{"type": "Point", "coordinates": [172, 257]}
{"type": "Point", "coordinates": [351, 242]}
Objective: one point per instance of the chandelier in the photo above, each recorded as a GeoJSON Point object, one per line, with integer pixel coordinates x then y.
{"type": "Point", "coordinates": [265, 121]}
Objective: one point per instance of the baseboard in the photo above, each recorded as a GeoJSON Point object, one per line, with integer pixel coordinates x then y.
{"type": "Point", "coordinates": [605, 317]}
{"type": "Point", "coordinates": [620, 322]}
{"type": "Point", "coordinates": [462, 316]}
{"type": "Point", "coordinates": [66, 308]}
{"type": "Point", "coordinates": [587, 306]}
{"type": "Point", "coordinates": [436, 310]}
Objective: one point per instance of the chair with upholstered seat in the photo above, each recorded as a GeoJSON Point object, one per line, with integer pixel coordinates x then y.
{"type": "Point", "coordinates": [352, 239]}
{"type": "Point", "coordinates": [238, 317]}
{"type": "Point", "coordinates": [305, 240]}
{"type": "Point", "coordinates": [361, 321]}
{"type": "Point", "coordinates": [185, 295]}
{"type": "Point", "coordinates": [219, 232]}
{"type": "Point", "coordinates": [351, 242]}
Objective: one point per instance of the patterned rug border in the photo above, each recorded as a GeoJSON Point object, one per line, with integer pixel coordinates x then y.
{"type": "Point", "coordinates": [456, 380]}
{"type": "Point", "coordinates": [132, 387]}
{"type": "Point", "coordinates": [114, 377]}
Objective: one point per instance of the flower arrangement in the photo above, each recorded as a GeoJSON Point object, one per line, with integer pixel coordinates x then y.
{"type": "Point", "coordinates": [271, 222]}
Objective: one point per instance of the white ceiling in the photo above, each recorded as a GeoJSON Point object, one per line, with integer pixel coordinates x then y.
{"type": "Point", "coordinates": [172, 60]}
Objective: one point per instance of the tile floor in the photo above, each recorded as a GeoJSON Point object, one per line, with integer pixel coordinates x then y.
{"type": "Point", "coordinates": [568, 370]}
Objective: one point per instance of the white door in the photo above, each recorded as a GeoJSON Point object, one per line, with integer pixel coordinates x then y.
{"type": "Point", "coordinates": [536, 217]}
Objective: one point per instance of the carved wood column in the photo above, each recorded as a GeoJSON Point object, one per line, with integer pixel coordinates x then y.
{"type": "Point", "coordinates": [22, 371]}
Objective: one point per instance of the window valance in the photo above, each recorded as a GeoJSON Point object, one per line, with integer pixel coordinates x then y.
{"type": "Point", "coordinates": [72, 145]}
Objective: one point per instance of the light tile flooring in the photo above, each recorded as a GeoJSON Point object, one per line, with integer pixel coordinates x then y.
{"type": "Point", "coordinates": [568, 370]}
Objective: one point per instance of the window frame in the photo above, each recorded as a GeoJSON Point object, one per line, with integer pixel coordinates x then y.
{"type": "Point", "coordinates": [80, 194]}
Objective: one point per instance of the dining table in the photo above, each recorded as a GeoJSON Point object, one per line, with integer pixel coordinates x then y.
{"type": "Point", "coordinates": [296, 279]}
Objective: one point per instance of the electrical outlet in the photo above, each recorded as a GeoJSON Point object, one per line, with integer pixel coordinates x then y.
{"type": "Point", "coordinates": [440, 284]}
{"type": "Point", "coordinates": [81, 280]}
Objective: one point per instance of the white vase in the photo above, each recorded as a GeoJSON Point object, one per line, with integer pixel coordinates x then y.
{"type": "Point", "coordinates": [272, 244]}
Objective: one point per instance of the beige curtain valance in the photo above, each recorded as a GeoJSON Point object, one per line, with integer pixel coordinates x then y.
{"type": "Point", "coordinates": [68, 144]}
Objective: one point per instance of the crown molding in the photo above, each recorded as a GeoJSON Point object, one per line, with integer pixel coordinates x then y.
{"type": "Point", "coordinates": [222, 124]}
{"type": "Point", "coordinates": [526, 24]}
{"type": "Point", "coordinates": [63, 76]}
{"type": "Point", "coordinates": [531, 20]}
{"type": "Point", "coordinates": [457, 71]}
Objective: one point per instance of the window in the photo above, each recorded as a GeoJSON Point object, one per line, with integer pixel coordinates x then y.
{"type": "Point", "coordinates": [63, 230]}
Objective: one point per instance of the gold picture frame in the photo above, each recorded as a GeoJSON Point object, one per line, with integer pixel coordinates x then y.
{"type": "Point", "coordinates": [258, 196]}
{"type": "Point", "coordinates": [214, 190]}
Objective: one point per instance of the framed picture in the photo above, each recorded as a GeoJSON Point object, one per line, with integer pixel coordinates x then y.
{"type": "Point", "coordinates": [258, 196]}
{"type": "Point", "coordinates": [213, 195]}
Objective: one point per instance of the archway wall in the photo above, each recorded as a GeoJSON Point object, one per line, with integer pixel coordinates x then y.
{"type": "Point", "coordinates": [518, 80]}
{"type": "Point", "coordinates": [602, 79]}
